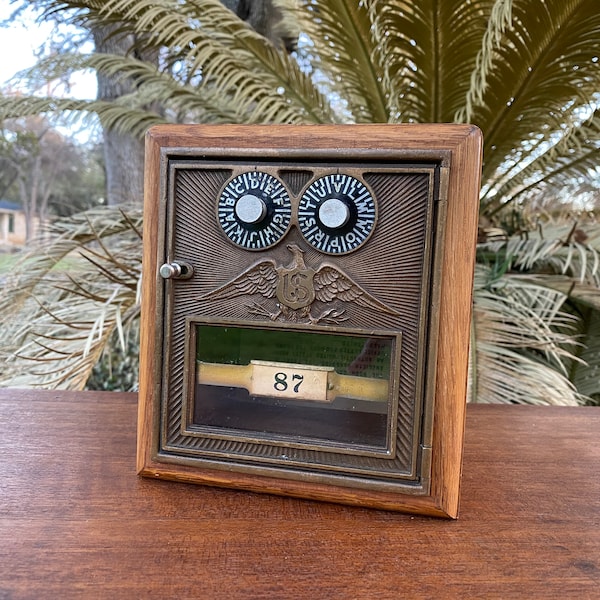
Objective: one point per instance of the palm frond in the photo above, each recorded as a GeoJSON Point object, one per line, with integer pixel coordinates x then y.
{"type": "Point", "coordinates": [115, 115]}
{"type": "Point", "coordinates": [542, 63]}
{"type": "Point", "coordinates": [574, 155]}
{"type": "Point", "coordinates": [219, 52]}
{"type": "Point", "coordinates": [71, 291]}
{"type": "Point", "coordinates": [341, 35]}
{"type": "Point", "coordinates": [266, 84]}
{"type": "Point", "coordinates": [180, 101]}
{"type": "Point", "coordinates": [579, 293]}
{"type": "Point", "coordinates": [568, 249]}
{"type": "Point", "coordinates": [428, 51]}
{"type": "Point", "coordinates": [521, 347]}
{"type": "Point", "coordinates": [499, 20]}
{"type": "Point", "coordinates": [559, 260]}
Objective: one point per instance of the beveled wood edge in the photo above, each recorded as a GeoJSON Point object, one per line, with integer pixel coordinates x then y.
{"type": "Point", "coordinates": [455, 319]}
{"type": "Point", "coordinates": [423, 505]}
{"type": "Point", "coordinates": [148, 393]}
{"type": "Point", "coordinates": [465, 145]}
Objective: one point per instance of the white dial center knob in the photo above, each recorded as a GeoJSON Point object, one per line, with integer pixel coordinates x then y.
{"type": "Point", "coordinates": [250, 209]}
{"type": "Point", "coordinates": [334, 213]}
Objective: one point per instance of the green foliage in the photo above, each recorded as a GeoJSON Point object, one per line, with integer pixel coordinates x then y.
{"type": "Point", "coordinates": [15, 148]}
{"type": "Point", "coordinates": [83, 185]}
{"type": "Point", "coordinates": [118, 366]}
{"type": "Point", "coordinates": [527, 72]}
{"type": "Point", "coordinates": [46, 172]}
{"type": "Point", "coordinates": [585, 373]}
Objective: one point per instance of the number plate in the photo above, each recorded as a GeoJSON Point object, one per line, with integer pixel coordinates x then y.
{"type": "Point", "coordinates": [291, 381]}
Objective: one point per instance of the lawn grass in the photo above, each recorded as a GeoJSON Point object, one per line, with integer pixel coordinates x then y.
{"type": "Point", "coordinates": [7, 260]}
{"type": "Point", "coordinates": [70, 263]}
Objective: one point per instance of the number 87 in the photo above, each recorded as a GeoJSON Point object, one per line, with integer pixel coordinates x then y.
{"type": "Point", "coordinates": [281, 384]}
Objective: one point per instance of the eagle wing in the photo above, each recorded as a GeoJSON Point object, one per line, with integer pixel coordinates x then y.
{"type": "Point", "coordinates": [260, 278]}
{"type": "Point", "coordinates": [332, 283]}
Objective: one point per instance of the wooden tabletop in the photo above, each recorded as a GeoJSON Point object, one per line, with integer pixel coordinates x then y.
{"type": "Point", "coordinates": [76, 521]}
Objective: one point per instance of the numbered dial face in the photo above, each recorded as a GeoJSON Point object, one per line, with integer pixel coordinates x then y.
{"type": "Point", "coordinates": [337, 214]}
{"type": "Point", "coordinates": [254, 210]}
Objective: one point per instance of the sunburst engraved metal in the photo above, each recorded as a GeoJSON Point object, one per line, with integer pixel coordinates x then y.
{"type": "Point", "coordinates": [294, 287]}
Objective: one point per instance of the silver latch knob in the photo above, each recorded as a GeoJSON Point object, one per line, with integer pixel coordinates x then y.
{"type": "Point", "coordinates": [176, 270]}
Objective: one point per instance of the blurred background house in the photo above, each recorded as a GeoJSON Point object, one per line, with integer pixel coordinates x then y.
{"type": "Point", "coordinates": [13, 225]}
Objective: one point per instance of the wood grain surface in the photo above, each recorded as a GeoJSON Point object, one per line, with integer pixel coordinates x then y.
{"type": "Point", "coordinates": [76, 521]}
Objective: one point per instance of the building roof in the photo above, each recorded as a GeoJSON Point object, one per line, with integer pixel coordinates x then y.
{"type": "Point", "coordinates": [7, 205]}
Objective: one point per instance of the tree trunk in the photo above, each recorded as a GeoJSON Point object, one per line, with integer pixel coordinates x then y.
{"type": "Point", "coordinates": [264, 18]}
{"type": "Point", "coordinates": [123, 153]}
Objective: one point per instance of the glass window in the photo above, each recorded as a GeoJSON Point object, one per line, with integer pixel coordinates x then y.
{"type": "Point", "coordinates": [331, 387]}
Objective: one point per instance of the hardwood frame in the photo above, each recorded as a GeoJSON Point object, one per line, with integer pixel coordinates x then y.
{"type": "Point", "coordinates": [462, 144]}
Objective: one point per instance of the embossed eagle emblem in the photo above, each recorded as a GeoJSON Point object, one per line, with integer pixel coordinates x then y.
{"type": "Point", "coordinates": [296, 287]}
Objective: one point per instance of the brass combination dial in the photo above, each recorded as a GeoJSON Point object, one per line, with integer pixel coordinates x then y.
{"type": "Point", "coordinates": [254, 210]}
{"type": "Point", "coordinates": [336, 214]}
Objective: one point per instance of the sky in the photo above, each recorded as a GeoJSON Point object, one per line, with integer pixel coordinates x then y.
{"type": "Point", "coordinates": [18, 43]}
